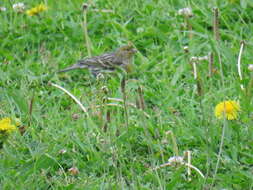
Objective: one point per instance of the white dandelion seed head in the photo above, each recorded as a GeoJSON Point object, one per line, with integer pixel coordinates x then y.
{"type": "Point", "coordinates": [19, 7]}
{"type": "Point", "coordinates": [3, 9]}
{"type": "Point", "coordinates": [186, 12]}
{"type": "Point", "coordinates": [176, 160]}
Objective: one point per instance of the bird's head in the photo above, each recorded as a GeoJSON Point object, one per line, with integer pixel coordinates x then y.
{"type": "Point", "coordinates": [126, 52]}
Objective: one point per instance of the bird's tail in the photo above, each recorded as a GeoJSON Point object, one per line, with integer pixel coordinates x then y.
{"type": "Point", "coordinates": [75, 66]}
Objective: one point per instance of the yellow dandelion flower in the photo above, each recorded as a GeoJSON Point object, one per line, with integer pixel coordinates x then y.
{"type": "Point", "coordinates": [36, 10]}
{"type": "Point", "coordinates": [228, 109]}
{"type": "Point", "coordinates": [6, 126]}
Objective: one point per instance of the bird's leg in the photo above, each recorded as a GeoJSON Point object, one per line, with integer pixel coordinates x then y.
{"type": "Point", "coordinates": [95, 72]}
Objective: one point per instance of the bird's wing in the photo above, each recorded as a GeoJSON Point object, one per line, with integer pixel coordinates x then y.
{"type": "Point", "coordinates": [106, 61]}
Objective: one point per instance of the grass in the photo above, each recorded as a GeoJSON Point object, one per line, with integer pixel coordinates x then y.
{"type": "Point", "coordinates": [109, 150]}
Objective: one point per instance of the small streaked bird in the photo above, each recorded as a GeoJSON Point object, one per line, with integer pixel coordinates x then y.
{"type": "Point", "coordinates": [122, 57]}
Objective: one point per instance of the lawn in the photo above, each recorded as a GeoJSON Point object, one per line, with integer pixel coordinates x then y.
{"type": "Point", "coordinates": [152, 128]}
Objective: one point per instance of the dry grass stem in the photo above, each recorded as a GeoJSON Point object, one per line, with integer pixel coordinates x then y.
{"type": "Point", "coordinates": [239, 62]}
{"type": "Point", "coordinates": [85, 28]}
{"type": "Point", "coordinates": [188, 155]}
{"type": "Point", "coordinates": [184, 164]}
{"type": "Point", "coordinates": [123, 90]}
{"type": "Point", "coordinates": [72, 96]}
{"type": "Point", "coordinates": [210, 65]}
{"type": "Point", "coordinates": [216, 23]}
{"type": "Point", "coordinates": [219, 154]}
{"type": "Point", "coordinates": [195, 168]}
{"type": "Point", "coordinates": [141, 98]}
{"type": "Point", "coordinates": [31, 106]}
{"type": "Point", "coordinates": [103, 10]}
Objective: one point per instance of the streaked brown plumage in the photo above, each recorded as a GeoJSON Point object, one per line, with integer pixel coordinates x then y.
{"type": "Point", "coordinates": [122, 57]}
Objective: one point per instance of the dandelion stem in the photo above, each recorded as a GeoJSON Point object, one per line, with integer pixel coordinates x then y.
{"type": "Point", "coordinates": [188, 155]}
{"type": "Point", "coordinates": [220, 151]}
{"type": "Point", "coordinates": [162, 166]}
{"type": "Point", "coordinates": [195, 70]}
{"type": "Point", "coordinates": [221, 68]}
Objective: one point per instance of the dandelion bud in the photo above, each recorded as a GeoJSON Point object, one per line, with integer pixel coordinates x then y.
{"type": "Point", "coordinates": [250, 67]}
{"type": "Point", "coordinates": [105, 89]}
{"type": "Point", "coordinates": [186, 49]}
{"type": "Point", "coordinates": [85, 6]}
{"type": "Point", "coordinates": [75, 116]}
{"type": "Point", "coordinates": [73, 171]}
